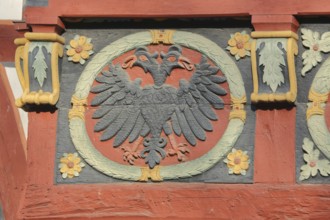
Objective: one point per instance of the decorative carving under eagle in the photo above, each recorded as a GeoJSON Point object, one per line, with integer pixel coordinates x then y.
{"type": "Point", "coordinates": [126, 110]}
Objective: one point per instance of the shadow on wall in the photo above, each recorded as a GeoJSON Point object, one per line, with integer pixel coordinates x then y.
{"type": "Point", "coordinates": [1, 214]}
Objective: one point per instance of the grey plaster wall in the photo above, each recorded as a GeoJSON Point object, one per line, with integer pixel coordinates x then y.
{"type": "Point", "coordinates": [101, 38]}
{"type": "Point", "coordinates": [35, 3]}
{"type": "Point", "coordinates": [2, 217]}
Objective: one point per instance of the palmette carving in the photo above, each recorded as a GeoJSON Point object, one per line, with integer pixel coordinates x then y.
{"type": "Point", "coordinates": [272, 59]}
{"type": "Point", "coordinates": [39, 64]}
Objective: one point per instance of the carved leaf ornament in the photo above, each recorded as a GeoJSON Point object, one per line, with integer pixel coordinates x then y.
{"type": "Point", "coordinates": [313, 162]}
{"type": "Point", "coordinates": [39, 64]}
{"type": "Point", "coordinates": [153, 117]}
{"type": "Point", "coordinates": [318, 95]}
{"type": "Point", "coordinates": [272, 59]}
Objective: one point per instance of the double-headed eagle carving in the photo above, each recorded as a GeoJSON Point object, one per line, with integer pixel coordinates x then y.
{"type": "Point", "coordinates": [156, 113]}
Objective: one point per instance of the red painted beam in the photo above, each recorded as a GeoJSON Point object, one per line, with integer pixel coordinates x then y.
{"type": "Point", "coordinates": [281, 11]}
{"type": "Point", "coordinates": [176, 201]}
{"type": "Point", "coordinates": [274, 164]}
{"type": "Point", "coordinates": [7, 37]}
{"type": "Point", "coordinates": [274, 152]}
{"type": "Point", "coordinates": [274, 23]}
{"type": "Point", "coordinates": [13, 163]}
{"type": "Point", "coordinates": [172, 8]}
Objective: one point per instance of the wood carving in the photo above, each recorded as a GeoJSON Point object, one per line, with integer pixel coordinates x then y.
{"type": "Point", "coordinates": [318, 95]}
{"type": "Point", "coordinates": [272, 59]}
{"type": "Point", "coordinates": [157, 113]}
{"type": "Point", "coordinates": [129, 111]}
{"type": "Point", "coordinates": [315, 45]}
{"type": "Point", "coordinates": [39, 65]}
{"type": "Point", "coordinates": [38, 56]}
{"type": "Point", "coordinates": [316, 119]}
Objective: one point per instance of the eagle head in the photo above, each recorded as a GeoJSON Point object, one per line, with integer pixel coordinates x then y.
{"type": "Point", "coordinates": [142, 58]}
{"type": "Point", "coordinates": [148, 62]}
{"type": "Point", "coordinates": [174, 59]}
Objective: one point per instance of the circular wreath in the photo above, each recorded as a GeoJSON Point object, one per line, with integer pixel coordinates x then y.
{"type": "Point", "coordinates": [187, 169]}
{"type": "Point", "coordinates": [316, 122]}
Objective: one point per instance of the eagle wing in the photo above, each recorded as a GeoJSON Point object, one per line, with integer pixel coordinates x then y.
{"type": "Point", "coordinates": [119, 111]}
{"type": "Point", "coordinates": [196, 100]}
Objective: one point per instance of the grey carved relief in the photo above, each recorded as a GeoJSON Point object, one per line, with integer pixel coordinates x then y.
{"type": "Point", "coordinates": [114, 92]}
{"type": "Point", "coordinates": [127, 110]}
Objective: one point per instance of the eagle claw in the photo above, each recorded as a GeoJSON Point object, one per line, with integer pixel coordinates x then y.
{"type": "Point", "coordinates": [180, 151]}
{"type": "Point", "coordinates": [129, 155]}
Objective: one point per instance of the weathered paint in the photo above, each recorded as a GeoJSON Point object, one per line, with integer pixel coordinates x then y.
{"type": "Point", "coordinates": [274, 157]}
{"type": "Point", "coordinates": [17, 92]}
{"type": "Point", "coordinates": [7, 36]}
{"type": "Point", "coordinates": [175, 201]}
{"type": "Point", "coordinates": [12, 151]}
{"type": "Point", "coordinates": [274, 194]}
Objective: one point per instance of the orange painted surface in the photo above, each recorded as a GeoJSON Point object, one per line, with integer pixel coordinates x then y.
{"type": "Point", "coordinates": [327, 113]}
{"type": "Point", "coordinates": [41, 154]}
{"type": "Point", "coordinates": [274, 194]}
{"type": "Point", "coordinates": [176, 201]}
{"type": "Point", "coordinates": [274, 152]}
{"type": "Point", "coordinates": [7, 37]}
{"type": "Point", "coordinates": [172, 8]}
{"type": "Point", "coordinates": [44, 200]}
{"type": "Point", "coordinates": [202, 147]}
{"type": "Point", "coordinates": [12, 155]}
{"type": "Point", "coordinates": [274, 22]}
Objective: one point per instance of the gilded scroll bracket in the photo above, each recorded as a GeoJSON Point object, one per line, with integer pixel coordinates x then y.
{"type": "Point", "coordinates": [34, 67]}
{"type": "Point", "coordinates": [270, 62]}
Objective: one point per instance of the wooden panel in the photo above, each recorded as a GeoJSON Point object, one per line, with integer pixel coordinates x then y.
{"type": "Point", "coordinates": [7, 37]}
{"type": "Point", "coordinates": [174, 8]}
{"type": "Point", "coordinates": [174, 201]}
{"type": "Point", "coordinates": [12, 155]}
{"type": "Point", "coordinates": [274, 157]}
